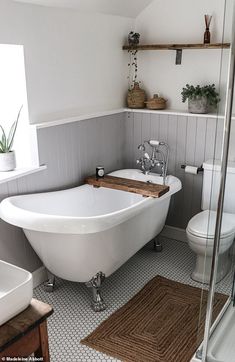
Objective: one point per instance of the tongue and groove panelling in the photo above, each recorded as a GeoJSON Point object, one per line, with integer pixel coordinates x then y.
{"type": "Point", "coordinates": [192, 140]}
{"type": "Point", "coordinates": [71, 152]}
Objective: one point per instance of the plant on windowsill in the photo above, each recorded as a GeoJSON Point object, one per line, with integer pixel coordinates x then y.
{"type": "Point", "coordinates": [200, 98]}
{"type": "Point", "coordinates": [7, 155]}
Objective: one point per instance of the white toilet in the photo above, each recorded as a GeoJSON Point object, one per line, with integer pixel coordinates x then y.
{"type": "Point", "coordinates": [201, 228]}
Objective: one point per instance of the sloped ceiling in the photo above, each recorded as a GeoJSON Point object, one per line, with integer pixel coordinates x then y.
{"type": "Point", "coordinates": [126, 8]}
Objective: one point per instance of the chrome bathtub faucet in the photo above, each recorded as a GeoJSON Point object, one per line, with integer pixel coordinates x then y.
{"type": "Point", "coordinates": [159, 157]}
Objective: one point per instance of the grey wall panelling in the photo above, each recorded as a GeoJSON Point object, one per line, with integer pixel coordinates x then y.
{"type": "Point", "coordinates": [192, 140]}
{"type": "Point", "coordinates": [71, 152]}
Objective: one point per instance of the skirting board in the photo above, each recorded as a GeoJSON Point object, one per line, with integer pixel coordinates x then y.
{"type": "Point", "coordinates": [39, 276]}
{"type": "Point", "coordinates": [174, 233]}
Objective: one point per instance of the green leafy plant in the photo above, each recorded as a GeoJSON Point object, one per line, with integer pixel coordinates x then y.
{"type": "Point", "coordinates": [6, 141]}
{"type": "Point", "coordinates": [207, 91]}
{"type": "Point", "coordinates": [133, 68]}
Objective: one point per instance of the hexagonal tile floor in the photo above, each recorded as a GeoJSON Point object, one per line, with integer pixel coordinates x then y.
{"type": "Point", "coordinates": [73, 319]}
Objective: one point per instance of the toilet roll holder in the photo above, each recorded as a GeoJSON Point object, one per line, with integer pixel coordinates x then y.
{"type": "Point", "coordinates": [199, 169]}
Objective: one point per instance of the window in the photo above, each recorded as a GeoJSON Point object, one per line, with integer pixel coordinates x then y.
{"type": "Point", "coordinates": [13, 94]}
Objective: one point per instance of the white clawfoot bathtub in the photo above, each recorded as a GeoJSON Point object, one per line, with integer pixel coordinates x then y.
{"type": "Point", "coordinates": [82, 231]}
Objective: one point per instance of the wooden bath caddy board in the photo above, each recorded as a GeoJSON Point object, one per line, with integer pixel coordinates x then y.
{"type": "Point", "coordinates": [124, 184]}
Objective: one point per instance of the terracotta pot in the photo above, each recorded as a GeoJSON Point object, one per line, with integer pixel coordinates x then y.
{"type": "Point", "coordinates": [7, 161]}
{"type": "Point", "coordinates": [136, 97]}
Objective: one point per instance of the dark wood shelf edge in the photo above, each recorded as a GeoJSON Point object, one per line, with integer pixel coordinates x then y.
{"type": "Point", "coordinates": [177, 46]}
{"type": "Point", "coordinates": [123, 184]}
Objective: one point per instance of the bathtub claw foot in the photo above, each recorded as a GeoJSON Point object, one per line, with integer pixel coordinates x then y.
{"type": "Point", "coordinates": [157, 246]}
{"type": "Point", "coordinates": [98, 304]}
{"type": "Point", "coordinates": [49, 285]}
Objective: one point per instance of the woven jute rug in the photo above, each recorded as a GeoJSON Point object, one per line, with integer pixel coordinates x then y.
{"type": "Point", "coordinates": [159, 324]}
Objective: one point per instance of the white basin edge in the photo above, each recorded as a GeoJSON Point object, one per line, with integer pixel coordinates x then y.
{"type": "Point", "coordinates": [18, 297]}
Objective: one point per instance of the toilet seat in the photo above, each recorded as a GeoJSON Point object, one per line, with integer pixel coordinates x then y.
{"type": "Point", "coordinates": [202, 225]}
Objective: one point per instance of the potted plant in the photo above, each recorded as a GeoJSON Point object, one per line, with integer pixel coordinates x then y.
{"type": "Point", "coordinates": [200, 98]}
{"type": "Point", "coordinates": [7, 155]}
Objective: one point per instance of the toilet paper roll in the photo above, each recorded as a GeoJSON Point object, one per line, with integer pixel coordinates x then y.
{"type": "Point", "coordinates": [191, 169]}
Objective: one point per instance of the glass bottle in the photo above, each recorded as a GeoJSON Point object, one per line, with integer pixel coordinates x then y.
{"type": "Point", "coordinates": [207, 36]}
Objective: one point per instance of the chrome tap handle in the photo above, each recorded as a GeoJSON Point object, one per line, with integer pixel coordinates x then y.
{"type": "Point", "coordinates": [140, 160]}
{"type": "Point", "coordinates": [141, 147]}
{"type": "Point", "coordinates": [146, 155]}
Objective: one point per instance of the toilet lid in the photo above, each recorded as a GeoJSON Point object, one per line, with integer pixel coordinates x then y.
{"type": "Point", "coordinates": [203, 224]}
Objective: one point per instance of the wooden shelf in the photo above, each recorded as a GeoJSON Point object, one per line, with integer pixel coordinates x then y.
{"type": "Point", "coordinates": [176, 46]}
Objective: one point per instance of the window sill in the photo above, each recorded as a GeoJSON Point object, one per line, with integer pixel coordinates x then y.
{"type": "Point", "coordinates": [21, 172]}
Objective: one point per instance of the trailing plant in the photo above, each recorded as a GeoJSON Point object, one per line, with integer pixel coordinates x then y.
{"type": "Point", "coordinates": [133, 67]}
{"type": "Point", "coordinates": [208, 91]}
{"type": "Point", "coordinates": [133, 41]}
{"type": "Point", "coordinates": [133, 38]}
{"type": "Point", "coordinates": [7, 140]}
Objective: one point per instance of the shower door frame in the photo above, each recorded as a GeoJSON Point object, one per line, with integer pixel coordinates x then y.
{"type": "Point", "coordinates": [202, 353]}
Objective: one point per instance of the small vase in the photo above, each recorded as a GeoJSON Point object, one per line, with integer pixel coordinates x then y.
{"type": "Point", "coordinates": [136, 97]}
{"type": "Point", "coordinates": [207, 36]}
{"type": "Point", "coordinates": [198, 105]}
{"type": "Point", "coordinates": [7, 161]}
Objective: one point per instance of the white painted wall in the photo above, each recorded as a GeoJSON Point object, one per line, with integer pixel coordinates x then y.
{"type": "Point", "coordinates": [74, 62]}
{"type": "Point", "coordinates": [127, 8]}
{"type": "Point", "coordinates": [75, 65]}
{"type": "Point", "coordinates": [182, 21]}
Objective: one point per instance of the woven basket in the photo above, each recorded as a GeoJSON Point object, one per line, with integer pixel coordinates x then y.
{"type": "Point", "coordinates": [156, 103]}
{"type": "Point", "coordinates": [136, 97]}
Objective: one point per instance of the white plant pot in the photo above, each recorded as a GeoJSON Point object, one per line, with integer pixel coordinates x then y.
{"type": "Point", "coordinates": [7, 161]}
